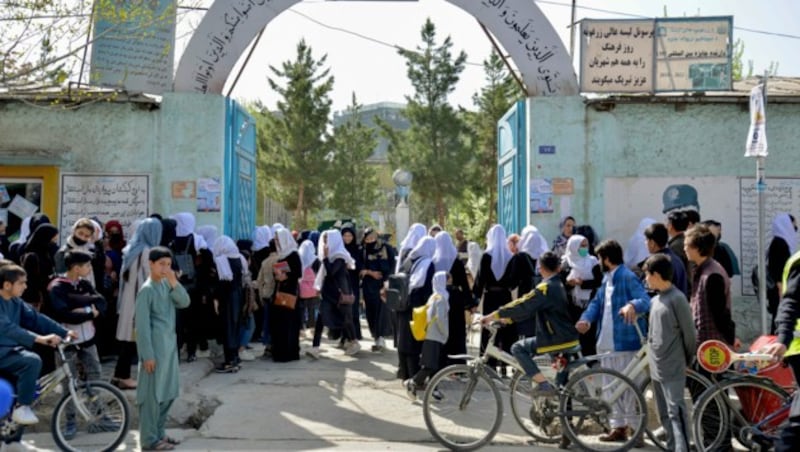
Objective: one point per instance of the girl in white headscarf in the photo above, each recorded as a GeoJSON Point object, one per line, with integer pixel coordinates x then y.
{"type": "Point", "coordinates": [445, 258]}
{"type": "Point", "coordinates": [333, 281]}
{"type": "Point", "coordinates": [492, 285]}
{"type": "Point", "coordinates": [285, 323]}
{"type": "Point", "coordinates": [436, 334]}
{"type": "Point", "coordinates": [474, 254]}
{"type": "Point", "coordinates": [419, 289]}
{"type": "Point", "coordinates": [308, 300]}
{"type": "Point", "coordinates": [523, 275]}
{"type": "Point", "coordinates": [185, 227]}
{"type": "Point", "coordinates": [416, 232]}
{"type": "Point", "coordinates": [583, 277]}
{"type": "Point", "coordinates": [636, 251]}
{"type": "Point", "coordinates": [229, 296]}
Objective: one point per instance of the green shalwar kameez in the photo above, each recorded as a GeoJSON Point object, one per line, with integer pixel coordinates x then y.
{"type": "Point", "coordinates": [156, 340]}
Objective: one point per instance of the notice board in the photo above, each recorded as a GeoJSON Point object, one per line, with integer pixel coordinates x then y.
{"type": "Point", "coordinates": [121, 197]}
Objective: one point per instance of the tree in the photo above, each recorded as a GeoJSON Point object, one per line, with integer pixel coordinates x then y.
{"type": "Point", "coordinates": [433, 147]}
{"type": "Point", "coordinates": [293, 144]}
{"type": "Point", "coordinates": [354, 184]}
{"type": "Point", "coordinates": [493, 101]}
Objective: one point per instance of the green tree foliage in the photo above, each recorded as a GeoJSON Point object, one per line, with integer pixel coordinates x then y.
{"type": "Point", "coordinates": [354, 182]}
{"type": "Point", "coordinates": [493, 101]}
{"type": "Point", "coordinates": [433, 149]}
{"type": "Point", "coordinates": [736, 60]}
{"type": "Point", "coordinates": [293, 145]}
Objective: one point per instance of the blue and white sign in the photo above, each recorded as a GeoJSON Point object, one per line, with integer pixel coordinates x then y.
{"type": "Point", "coordinates": [547, 149]}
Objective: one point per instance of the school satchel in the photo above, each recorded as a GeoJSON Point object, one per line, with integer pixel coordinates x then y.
{"type": "Point", "coordinates": [419, 322]}
{"type": "Point", "coordinates": [397, 290]}
{"type": "Point", "coordinates": [346, 298]}
{"type": "Point", "coordinates": [285, 299]}
{"type": "Point", "coordinates": [185, 262]}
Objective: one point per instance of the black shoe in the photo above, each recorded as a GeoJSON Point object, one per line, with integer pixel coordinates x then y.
{"type": "Point", "coordinates": [226, 368]}
{"type": "Point", "coordinates": [191, 358]}
{"type": "Point", "coordinates": [411, 389]}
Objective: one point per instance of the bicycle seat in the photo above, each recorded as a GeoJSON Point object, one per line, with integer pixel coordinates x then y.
{"type": "Point", "coordinates": [567, 351]}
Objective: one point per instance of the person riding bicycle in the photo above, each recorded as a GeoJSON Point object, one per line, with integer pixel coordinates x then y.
{"type": "Point", "coordinates": [787, 324]}
{"type": "Point", "coordinates": [554, 328]}
{"type": "Point", "coordinates": [20, 327]}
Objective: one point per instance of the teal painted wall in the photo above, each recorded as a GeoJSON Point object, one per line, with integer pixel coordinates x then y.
{"type": "Point", "coordinates": [700, 144]}
{"type": "Point", "coordinates": [182, 139]}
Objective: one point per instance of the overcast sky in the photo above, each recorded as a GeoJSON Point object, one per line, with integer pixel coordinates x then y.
{"type": "Point", "coordinates": [376, 73]}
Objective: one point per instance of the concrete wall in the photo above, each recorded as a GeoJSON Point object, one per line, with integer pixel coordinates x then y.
{"type": "Point", "coordinates": [183, 138]}
{"type": "Point", "coordinates": [621, 157]}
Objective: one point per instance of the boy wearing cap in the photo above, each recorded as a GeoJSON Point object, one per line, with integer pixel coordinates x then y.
{"type": "Point", "coordinates": [75, 304]}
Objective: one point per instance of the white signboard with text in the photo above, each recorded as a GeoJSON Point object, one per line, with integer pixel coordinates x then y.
{"type": "Point", "coordinates": [617, 56]}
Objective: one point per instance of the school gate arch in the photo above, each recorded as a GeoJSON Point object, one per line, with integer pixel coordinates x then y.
{"type": "Point", "coordinates": [521, 28]}
{"type": "Point", "coordinates": [524, 32]}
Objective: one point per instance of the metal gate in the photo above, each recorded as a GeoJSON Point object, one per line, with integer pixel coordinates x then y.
{"type": "Point", "coordinates": [512, 169]}
{"type": "Point", "coordinates": [239, 209]}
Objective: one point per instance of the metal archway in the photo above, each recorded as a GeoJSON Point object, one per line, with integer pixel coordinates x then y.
{"type": "Point", "coordinates": [524, 32]}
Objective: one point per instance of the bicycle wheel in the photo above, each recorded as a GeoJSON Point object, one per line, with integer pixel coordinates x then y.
{"type": "Point", "coordinates": [730, 408]}
{"type": "Point", "coordinates": [537, 416]}
{"type": "Point", "coordinates": [695, 384]}
{"type": "Point", "coordinates": [106, 427]}
{"type": "Point", "coordinates": [462, 407]}
{"type": "Point", "coordinates": [596, 400]}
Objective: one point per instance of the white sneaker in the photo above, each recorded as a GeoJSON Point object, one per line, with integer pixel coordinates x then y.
{"type": "Point", "coordinates": [246, 355]}
{"type": "Point", "coordinates": [313, 352]}
{"type": "Point", "coordinates": [380, 344]}
{"type": "Point", "coordinates": [24, 415]}
{"type": "Point", "coordinates": [203, 354]}
{"type": "Point", "coordinates": [352, 348]}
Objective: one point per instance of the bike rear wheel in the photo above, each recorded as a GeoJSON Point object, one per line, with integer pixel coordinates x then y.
{"type": "Point", "coordinates": [696, 384]}
{"type": "Point", "coordinates": [596, 400]}
{"type": "Point", "coordinates": [462, 407]}
{"type": "Point", "coordinates": [732, 407]}
{"type": "Point", "coordinates": [538, 416]}
{"type": "Point", "coordinates": [106, 427]}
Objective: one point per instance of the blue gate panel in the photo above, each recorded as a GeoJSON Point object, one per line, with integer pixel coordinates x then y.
{"type": "Point", "coordinates": [239, 209]}
{"type": "Point", "coordinates": [512, 192]}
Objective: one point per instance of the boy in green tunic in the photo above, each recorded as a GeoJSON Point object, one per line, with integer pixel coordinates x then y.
{"type": "Point", "coordinates": [158, 352]}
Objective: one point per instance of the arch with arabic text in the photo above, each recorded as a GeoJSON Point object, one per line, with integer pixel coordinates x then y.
{"type": "Point", "coordinates": [519, 25]}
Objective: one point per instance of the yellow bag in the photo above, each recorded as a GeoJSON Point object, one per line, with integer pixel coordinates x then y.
{"type": "Point", "coordinates": [419, 322]}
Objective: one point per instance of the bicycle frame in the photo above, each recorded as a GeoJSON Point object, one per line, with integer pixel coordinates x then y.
{"type": "Point", "coordinates": [52, 380]}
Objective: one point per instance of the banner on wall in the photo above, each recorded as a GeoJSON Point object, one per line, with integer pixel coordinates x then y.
{"type": "Point", "coordinates": [656, 55]}
{"type": "Point", "coordinates": [757, 135]}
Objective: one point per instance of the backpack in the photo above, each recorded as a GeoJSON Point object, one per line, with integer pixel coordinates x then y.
{"type": "Point", "coordinates": [185, 261]}
{"type": "Point", "coordinates": [397, 289]}
{"type": "Point", "coordinates": [307, 289]}
{"type": "Point", "coordinates": [419, 321]}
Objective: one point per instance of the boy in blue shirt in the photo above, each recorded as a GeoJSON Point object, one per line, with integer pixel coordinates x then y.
{"type": "Point", "coordinates": [20, 327]}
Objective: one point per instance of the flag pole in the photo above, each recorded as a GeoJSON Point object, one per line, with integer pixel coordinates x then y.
{"type": "Point", "coordinates": [761, 187]}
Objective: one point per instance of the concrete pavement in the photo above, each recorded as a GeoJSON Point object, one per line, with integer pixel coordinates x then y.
{"type": "Point", "coordinates": [334, 403]}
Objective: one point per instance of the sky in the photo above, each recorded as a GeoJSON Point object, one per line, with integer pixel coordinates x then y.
{"type": "Point", "coordinates": [375, 72]}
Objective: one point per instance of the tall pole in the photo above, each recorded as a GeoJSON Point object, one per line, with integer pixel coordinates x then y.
{"type": "Point", "coordinates": [761, 187]}
{"type": "Point", "coordinates": [572, 32]}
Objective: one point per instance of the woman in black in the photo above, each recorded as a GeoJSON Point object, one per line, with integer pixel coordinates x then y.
{"type": "Point", "coordinates": [523, 273]}
{"type": "Point", "coordinates": [377, 258]}
{"type": "Point", "coordinates": [491, 284]}
{"type": "Point", "coordinates": [445, 258]}
{"type": "Point", "coordinates": [781, 248]}
{"type": "Point", "coordinates": [229, 296]}
{"type": "Point", "coordinates": [352, 247]}
{"type": "Point", "coordinates": [284, 322]}
{"type": "Point", "coordinates": [333, 281]}
{"type": "Point", "coordinates": [420, 288]}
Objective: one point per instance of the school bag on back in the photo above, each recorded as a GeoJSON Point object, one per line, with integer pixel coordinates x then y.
{"type": "Point", "coordinates": [185, 261]}
{"type": "Point", "coordinates": [397, 289]}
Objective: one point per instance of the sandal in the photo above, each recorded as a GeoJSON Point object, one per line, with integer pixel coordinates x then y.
{"type": "Point", "coordinates": [121, 384]}
{"type": "Point", "coordinates": [160, 445]}
{"type": "Point", "coordinates": [171, 440]}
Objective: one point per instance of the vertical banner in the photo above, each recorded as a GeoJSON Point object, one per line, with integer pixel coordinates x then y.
{"type": "Point", "coordinates": [757, 136]}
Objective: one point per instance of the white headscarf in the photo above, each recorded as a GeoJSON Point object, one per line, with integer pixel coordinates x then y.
{"type": "Point", "coordinates": [496, 248]}
{"type": "Point", "coordinates": [98, 232]}
{"type": "Point", "coordinates": [782, 227]}
{"type": "Point", "coordinates": [261, 237]}
{"type": "Point", "coordinates": [532, 242]}
{"type": "Point", "coordinates": [413, 236]}
{"type": "Point", "coordinates": [224, 248]}
{"type": "Point", "coordinates": [209, 233]}
{"type": "Point", "coordinates": [580, 267]}
{"type": "Point", "coordinates": [285, 243]}
{"type": "Point", "coordinates": [185, 224]}
{"type": "Point", "coordinates": [636, 251]}
{"type": "Point", "coordinates": [423, 254]}
{"type": "Point", "coordinates": [446, 252]}
{"type": "Point", "coordinates": [474, 254]}
{"type": "Point", "coordinates": [307, 254]}
{"type": "Point", "coordinates": [274, 228]}
{"type": "Point", "coordinates": [332, 238]}
{"type": "Point", "coordinates": [439, 289]}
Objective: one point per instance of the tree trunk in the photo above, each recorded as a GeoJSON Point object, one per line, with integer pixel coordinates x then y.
{"type": "Point", "coordinates": [298, 213]}
{"type": "Point", "coordinates": [440, 211]}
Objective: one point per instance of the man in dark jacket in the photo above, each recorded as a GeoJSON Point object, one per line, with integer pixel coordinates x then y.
{"type": "Point", "coordinates": [554, 327]}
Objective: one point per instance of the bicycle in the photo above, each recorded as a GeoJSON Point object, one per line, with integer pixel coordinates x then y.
{"type": "Point", "coordinates": [751, 407]}
{"type": "Point", "coordinates": [98, 410]}
{"type": "Point", "coordinates": [457, 396]}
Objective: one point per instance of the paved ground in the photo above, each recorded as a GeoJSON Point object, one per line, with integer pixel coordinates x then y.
{"type": "Point", "coordinates": [335, 403]}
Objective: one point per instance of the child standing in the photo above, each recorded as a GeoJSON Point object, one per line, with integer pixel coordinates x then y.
{"type": "Point", "coordinates": [672, 345]}
{"type": "Point", "coordinates": [156, 341]}
{"type": "Point", "coordinates": [20, 328]}
{"type": "Point", "coordinates": [435, 335]}
{"type": "Point", "coordinates": [75, 303]}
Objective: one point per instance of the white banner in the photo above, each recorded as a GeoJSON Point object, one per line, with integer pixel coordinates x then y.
{"type": "Point", "coordinates": [757, 136]}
